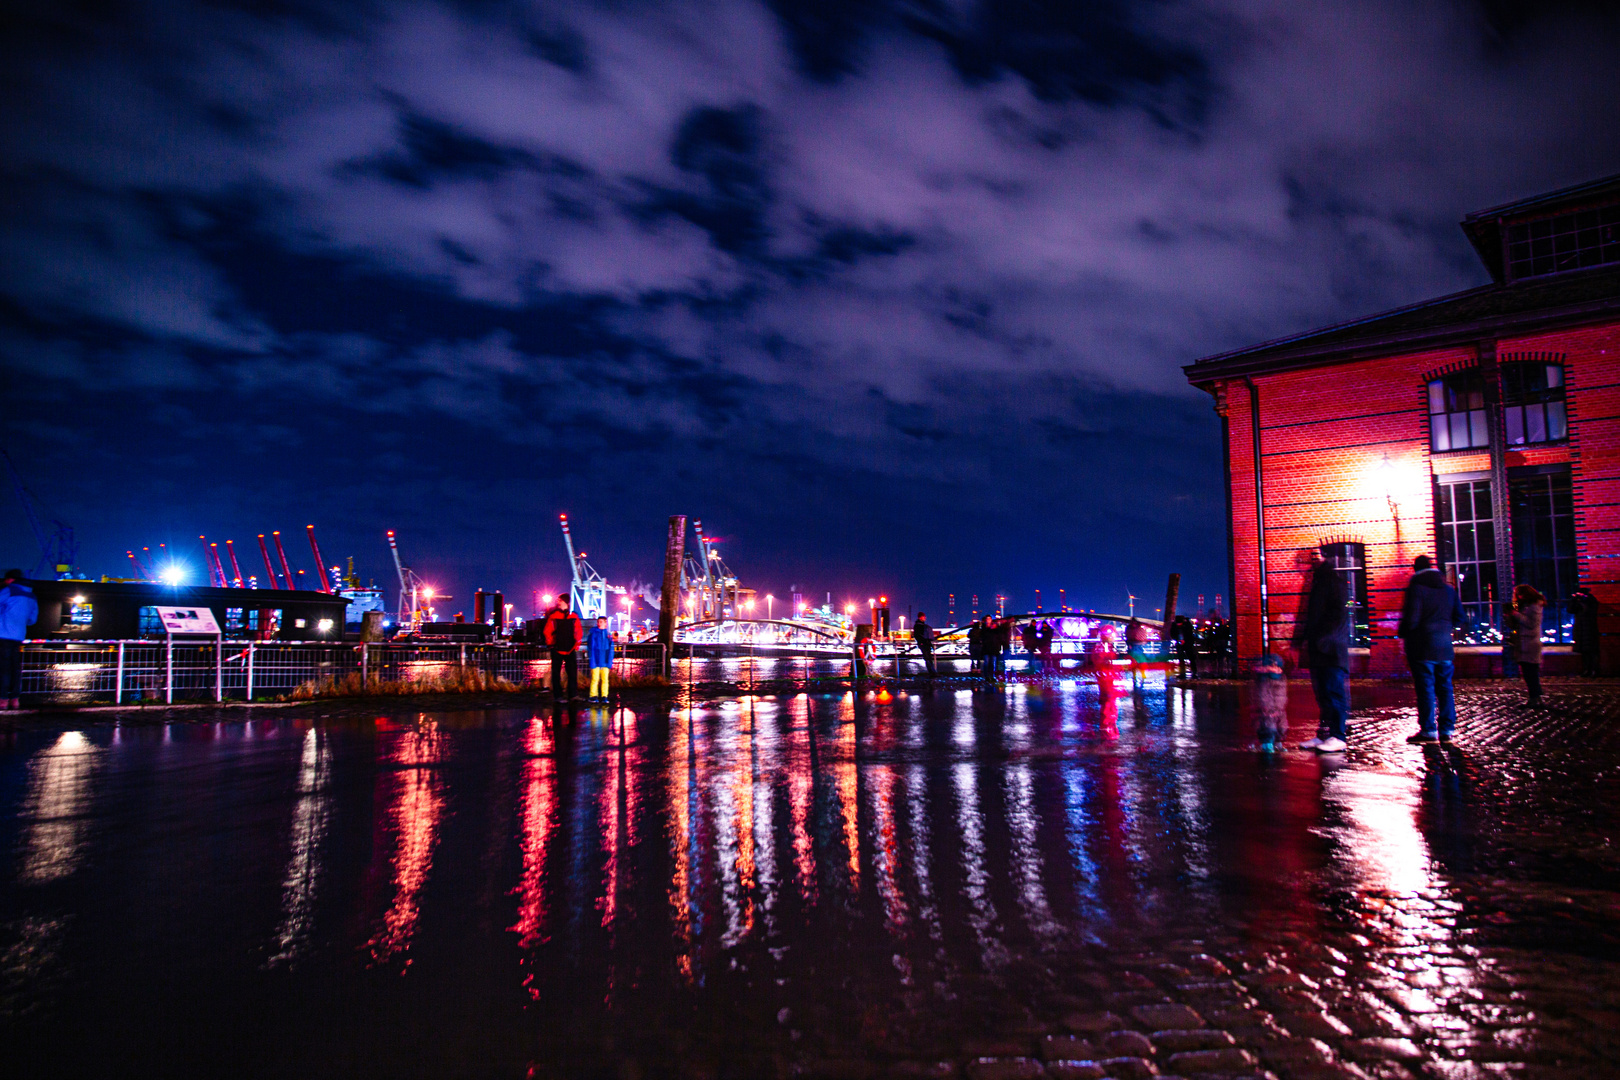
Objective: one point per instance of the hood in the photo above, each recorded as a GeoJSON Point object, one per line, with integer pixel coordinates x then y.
{"type": "Point", "coordinates": [20, 589]}
{"type": "Point", "coordinates": [1429, 579]}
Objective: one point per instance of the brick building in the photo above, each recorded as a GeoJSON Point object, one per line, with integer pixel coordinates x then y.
{"type": "Point", "coordinates": [1482, 428]}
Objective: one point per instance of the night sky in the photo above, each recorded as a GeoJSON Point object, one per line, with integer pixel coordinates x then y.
{"type": "Point", "coordinates": [894, 297]}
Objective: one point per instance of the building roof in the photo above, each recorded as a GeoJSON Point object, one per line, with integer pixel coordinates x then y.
{"type": "Point", "coordinates": [1501, 309]}
{"type": "Point", "coordinates": [1587, 296]}
{"type": "Point", "coordinates": [1484, 227]}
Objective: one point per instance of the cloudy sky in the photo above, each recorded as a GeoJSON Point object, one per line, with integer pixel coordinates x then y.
{"type": "Point", "coordinates": [891, 295]}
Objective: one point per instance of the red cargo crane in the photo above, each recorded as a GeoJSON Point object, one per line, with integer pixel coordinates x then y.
{"type": "Point", "coordinates": [235, 569]}
{"type": "Point", "coordinates": [269, 566]}
{"type": "Point", "coordinates": [320, 567]}
{"type": "Point", "coordinates": [286, 567]}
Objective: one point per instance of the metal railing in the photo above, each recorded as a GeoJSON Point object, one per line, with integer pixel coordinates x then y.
{"type": "Point", "coordinates": [182, 669]}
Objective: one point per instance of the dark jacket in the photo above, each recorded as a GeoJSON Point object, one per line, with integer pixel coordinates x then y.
{"type": "Point", "coordinates": [1429, 614]}
{"type": "Point", "coordinates": [562, 631]}
{"type": "Point", "coordinates": [1322, 630]}
{"type": "Point", "coordinates": [975, 638]}
{"type": "Point", "coordinates": [923, 635]}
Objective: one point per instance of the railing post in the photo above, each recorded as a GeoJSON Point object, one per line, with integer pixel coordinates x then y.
{"type": "Point", "coordinates": [219, 667]}
{"type": "Point", "coordinates": [365, 655]}
{"type": "Point", "coordinates": [168, 669]}
{"type": "Point", "coordinates": [464, 654]}
{"type": "Point", "coordinates": [118, 691]}
{"type": "Point", "coordinates": [251, 645]}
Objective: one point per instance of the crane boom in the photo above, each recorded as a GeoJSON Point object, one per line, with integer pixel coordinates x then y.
{"type": "Point", "coordinates": [286, 567]}
{"type": "Point", "coordinates": [235, 569]}
{"type": "Point", "coordinates": [568, 542]}
{"type": "Point", "coordinates": [269, 566]}
{"type": "Point", "coordinates": [320, 567]}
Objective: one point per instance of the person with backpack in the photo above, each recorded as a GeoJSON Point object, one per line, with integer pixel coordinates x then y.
{"type": "Point", "coordinates": [599, 657]}
{"type": "Point", "coordinates": [562, 633]}
{"type": "Point", "coordinates": [1430, 613]}
{"type": "Point", "coordinates": [18, 610]}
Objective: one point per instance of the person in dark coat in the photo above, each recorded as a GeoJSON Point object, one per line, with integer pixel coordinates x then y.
{"type": "Point", "coordinates": [1584, 606]}
{"type": "Point", "coordinates": [1525, 618]}
{"type": "Point", "coordinates": [1031, 638]}
{"type": "Point", "coordinates": [1044, 640]}
{"type": "Point", "coordinates": [923, 635]}
{"type": "Point", "coordinates": [1322, 640]}
{"type": "Point", "coordinates": [18, 610]}
{"type": "Point", "coordinates": [1430, 614]}
{"type": "Point", "coordinates": [1186, 639]}
{"type": "Point", "coordinates": [975, 638]}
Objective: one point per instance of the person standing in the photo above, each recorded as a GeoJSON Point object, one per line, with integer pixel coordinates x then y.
{"type": "Point", "coordinates": [1528, 604]}
{"type": "Point", "coordinates": [1002, 643]}
{"type": "Point", "coordinates": [1322, 639]}
{"type": "Point", "coordinates": [1430, 614]}
{"type": "Point", "coordinates": [975, 642]}
{"type": "Point", "coordinates": [1584, 606]}
{"type": "Point", "coordinates": [1136, 639]}
{"type": "Point", "coordinates": [562, 636]}
{"type": "Point", "coordinates": [1186, 643]}
{"type": "Point", "coordinates": [1044, 639]}
{"type": "Point", "coordinates": [18, 610]}
{"type": "Point", "coordinates": [599, 655]}
{"type": "Point", "coordinates": [1030, 635]}
{"type": "Point", "coordinates": [923, 635]}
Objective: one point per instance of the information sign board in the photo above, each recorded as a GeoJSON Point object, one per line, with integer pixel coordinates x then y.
{"type": "Point", "coordinates": [188, 620]}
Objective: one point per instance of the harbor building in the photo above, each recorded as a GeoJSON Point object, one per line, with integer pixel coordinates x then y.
{"type": "Point", "coordinates": [1482, 428]}
{"type": "Point", "coordinates": [105, 610]}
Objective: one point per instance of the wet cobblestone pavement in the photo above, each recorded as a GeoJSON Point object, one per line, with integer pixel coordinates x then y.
{"type": "Point", "coordinates": [1016, 883]}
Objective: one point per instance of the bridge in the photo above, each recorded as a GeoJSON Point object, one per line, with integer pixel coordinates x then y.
{"type": "Point", "coordinates": [1076, 633]}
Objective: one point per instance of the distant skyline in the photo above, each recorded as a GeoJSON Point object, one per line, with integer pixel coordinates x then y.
{"type": "Point", "coordinates": [893, 296]}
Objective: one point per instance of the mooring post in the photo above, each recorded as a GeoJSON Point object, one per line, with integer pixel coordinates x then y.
{"type": "Point", "coordinates": [670, 599]}
{"type": "Point", "coordinates": [1170, 592]}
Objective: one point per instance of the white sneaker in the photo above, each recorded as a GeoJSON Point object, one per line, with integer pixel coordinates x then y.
{"type": "Point", "coordinates": [1331, 745]}
{"type": "Point", "coordinates": [1310, 744]}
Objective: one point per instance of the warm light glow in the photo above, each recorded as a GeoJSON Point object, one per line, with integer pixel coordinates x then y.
{"type": "Point", "coordinates": [324, 625]}
{"type": "Point", "coordinates": [78, 599]}
{"type": "Point", "coordinates": [172, 574]}
{"type": "Point", "coordinates": [545, 598]}
{"type": "Point", "coordinates": [427, 591]}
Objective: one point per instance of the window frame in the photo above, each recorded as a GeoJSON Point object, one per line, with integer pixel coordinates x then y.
{"type": "Point", "coordinates": [1524, 406]}
{"type": "Point", "coordinates": [1460, 397]}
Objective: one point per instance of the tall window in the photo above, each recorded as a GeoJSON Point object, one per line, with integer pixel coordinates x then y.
{"type": "Point", "coordinates": [1351, 562]}
{"type": "Point", "coordinates": [1564, 242]}
{"type": "Point", "coordinates": [1533, 403]}
{"type": "Point", "coordinates": [1544, 543]}
{"type": "Point", "coordinates": [1457, 412]}
{"type": "Point", "coordinates": [1467, 543]}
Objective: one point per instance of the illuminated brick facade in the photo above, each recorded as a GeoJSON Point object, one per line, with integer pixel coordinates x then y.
{"type": "Point", "coordinates": [1482, 428]}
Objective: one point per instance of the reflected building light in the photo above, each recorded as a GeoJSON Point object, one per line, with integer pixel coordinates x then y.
{"type": "Point", "coordinates": [538, 822]}
{"type": "Point", "coordinates": [922, 849]}
{"type": "Point", "coordinates": [1023, 824]}
{"type": "Point", "coordinates": [1384, 848]}
{"type": "Point", "coordinates": [57, 807]}
{"type": "Point", "coordinates": [417, 807]}
{"type": "Point", "coordinates": [885, 858]}
{"type": "Point", "coordinates": [846, 783]}
{"type": "Point", "coordinates": [976, 884]}
{"type": "Point", "coordinates": [310, 819]}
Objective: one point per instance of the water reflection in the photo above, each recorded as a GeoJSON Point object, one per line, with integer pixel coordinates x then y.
{"type": "Point", "coordinates": [59, 794]}
{"type": "Point", "coordinates": [412, 790]}
{"type": "Point", "coordinates": [585, 879]}
{"type": "Point", "coordinates": [310, 820]}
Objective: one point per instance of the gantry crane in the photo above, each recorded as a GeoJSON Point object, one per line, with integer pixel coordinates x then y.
{"type": "Point", "coordinates": [415, 595]}
{"type": "Point", "coordinates": [589, 590]}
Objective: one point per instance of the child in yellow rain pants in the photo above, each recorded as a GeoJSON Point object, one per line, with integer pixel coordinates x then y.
{"type": "Point", "coordinates": [599, 653]}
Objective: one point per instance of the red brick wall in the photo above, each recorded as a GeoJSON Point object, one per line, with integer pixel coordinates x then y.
{"type": "Point", "coordinates": [1326, 435]}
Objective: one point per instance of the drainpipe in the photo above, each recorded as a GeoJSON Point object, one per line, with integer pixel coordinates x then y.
{"type": "Point", "coordinates": [1259, 516]}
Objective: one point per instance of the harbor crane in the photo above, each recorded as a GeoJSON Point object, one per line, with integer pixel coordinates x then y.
{"type": "Point", "coordinates": [58, 551]}
{"type": "Point", "coordinates": [712, 589]}
{"type": "Point", "coordinates": [589, 590]}
{"type": "Point", "coordinates": [415, 595]}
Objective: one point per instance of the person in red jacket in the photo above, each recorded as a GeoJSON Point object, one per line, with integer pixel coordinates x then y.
{"type": "Point", "coordinates": [563, 633]}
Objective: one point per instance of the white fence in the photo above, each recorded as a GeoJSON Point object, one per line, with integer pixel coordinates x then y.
{"type": "Point", "coordinates": [201, 669]}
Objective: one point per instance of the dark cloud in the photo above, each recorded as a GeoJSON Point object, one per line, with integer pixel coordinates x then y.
{"type": "Point", "coordinates": [895, 295]}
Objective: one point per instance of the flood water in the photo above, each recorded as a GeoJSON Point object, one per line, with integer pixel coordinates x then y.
{"type": "Point", "coordinates": [819, 883]}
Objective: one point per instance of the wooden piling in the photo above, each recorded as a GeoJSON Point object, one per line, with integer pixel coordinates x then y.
{"type": "Point", "coordinates": [670, 600]}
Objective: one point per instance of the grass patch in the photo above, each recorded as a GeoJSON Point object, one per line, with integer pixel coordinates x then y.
{"type": "Point", "coordinates": [455, 680]}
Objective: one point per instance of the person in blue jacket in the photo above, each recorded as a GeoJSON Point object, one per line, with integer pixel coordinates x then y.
{"type": "Point", "coordinates": [18, 610]}
{"type": "Point", "coordinates": [599, 654]}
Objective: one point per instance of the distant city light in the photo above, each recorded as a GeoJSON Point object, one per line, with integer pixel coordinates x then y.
{"type": "Point", "coordinates": [324, 625]}
{"type": "Point", "coordinates": [173, 574]}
